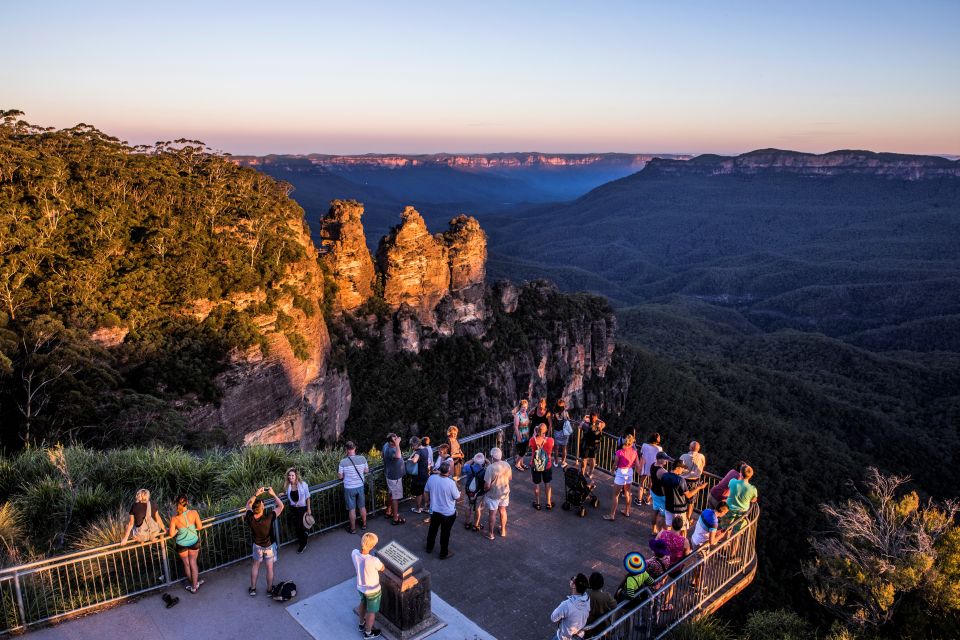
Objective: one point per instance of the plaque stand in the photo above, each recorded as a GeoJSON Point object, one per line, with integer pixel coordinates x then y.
{"type": "Point", "coordinates": [405, 606]}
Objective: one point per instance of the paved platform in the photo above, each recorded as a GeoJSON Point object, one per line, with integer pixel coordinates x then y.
{"type": "Point", "coordinates": [508, 586]}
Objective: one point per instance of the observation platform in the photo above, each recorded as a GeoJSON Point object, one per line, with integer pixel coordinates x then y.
{"type": "Point", "coordinates": [506, 586]}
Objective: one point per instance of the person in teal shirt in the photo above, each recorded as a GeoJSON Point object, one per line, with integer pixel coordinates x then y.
{"type": "Point", "coordinates": [742, 493]}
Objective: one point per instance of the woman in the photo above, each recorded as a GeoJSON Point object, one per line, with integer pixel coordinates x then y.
{"type": "Point", "coordinates": [298, 496]}
{"type": "Point", "coordinates": [541, 416]}
{"type": "Point", "coordinates": [678, 547]}
{"type": "Point", "coordinates": [592, 426]}
{"type": "Point", "coordinates": [561, 433]}
{"type": "Point", "coordinates": [145, 523]}
{"type": "Point", "coordinates": [184, 528]}
{"type": "Point", "coordinates": [455, 451]}
{"type": "Point", "coordinates": [521, 433]}
{"type": "Point", "coordinates": [541, 455]}
{"type": "Point", "coordinates": [626, 461]}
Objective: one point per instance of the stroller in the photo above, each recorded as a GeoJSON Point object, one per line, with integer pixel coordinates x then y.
{"type": "Point", "coordinates": [579, 491]}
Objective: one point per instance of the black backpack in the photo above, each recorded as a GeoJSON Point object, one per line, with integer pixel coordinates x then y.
{"type": "Point", "coordinates": [283, 591]}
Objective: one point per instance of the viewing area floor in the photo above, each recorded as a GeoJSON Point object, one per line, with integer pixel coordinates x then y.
{"type": "Point", "coordinates": [507, 586]}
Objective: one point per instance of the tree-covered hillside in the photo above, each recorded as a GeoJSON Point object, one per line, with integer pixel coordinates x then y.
{"type": "Point", "coordinates": [99, 241]}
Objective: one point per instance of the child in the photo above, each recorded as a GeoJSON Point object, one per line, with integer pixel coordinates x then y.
{"type": "Point", "coordinates": [368, 569]}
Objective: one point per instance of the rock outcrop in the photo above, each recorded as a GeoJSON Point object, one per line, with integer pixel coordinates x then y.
{"type": "Point", "coordinates": [414, 267]}
{"type": "Point", "coordinates": [345, 254]}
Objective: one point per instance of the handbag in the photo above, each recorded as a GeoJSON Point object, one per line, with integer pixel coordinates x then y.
{"type": "Point", "coordinates": [410, 467]}
{"type": "Point", "coordinates": [308, 521]}
{"type": "Point", "coordinates": [567, 428]}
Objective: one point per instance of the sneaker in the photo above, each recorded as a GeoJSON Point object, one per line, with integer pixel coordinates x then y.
{"type": "Point", "coordinates": [251, 591]}
{"type": "Point", "coordinates": [373, 633]}
{"type": "Point", "coordinates": [449, 554]}
{"type": "Point", "coordinates": [362, 626]}
{"type": "Point", "coordinates": [638, 502]}
{"type": "Point", "coordinates": [416, 510]}
{"type": "Point", "coordinates": [301, 548]}
{"type": "Point", "coordinates": [269, 591]}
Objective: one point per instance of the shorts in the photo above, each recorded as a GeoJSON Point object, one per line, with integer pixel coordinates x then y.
{"type": "Point", "coordinates": [669, 517]}
{"type": "Point", "coordinates": [354, 498]}
{"type": "Point", "coordinates": [545, 476]}
{"type": "Point", "coordinates": [659, 503]}
{"type": "Point", "coordinates": [623, 477]}
{"type": "Point", "coordinates": [395, 488]}
{"type": "Point", "coordinates": [372, 600]}
{"type": "Point", "coordinates": [264, 553]}
{"type": "Point", "coordinates": [493, 504]}
{"type": "Point", "coordinates": [589, 452]}
{"type": "Point", "coordinates": [417, 487]}
{"type": "Point", "coordinates": [191, 547]}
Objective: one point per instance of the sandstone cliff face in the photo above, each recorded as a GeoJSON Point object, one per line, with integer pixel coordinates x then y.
{"type": "Point", "coordinates": [279, 397]}
{"type": "Point", "coordinates": [345, 254]}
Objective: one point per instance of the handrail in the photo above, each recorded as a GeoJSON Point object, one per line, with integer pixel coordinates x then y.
{"type": "Point", "coordinates": [52, 588]}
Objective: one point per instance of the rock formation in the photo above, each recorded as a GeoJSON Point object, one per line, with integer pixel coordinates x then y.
{"type": "Point", "coordinates": [345, 254]}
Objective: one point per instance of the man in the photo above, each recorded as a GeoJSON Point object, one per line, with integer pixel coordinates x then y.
{"type": "Point", "coordinates": [496, 480]}
{"type": "Point", "coordinates": [677, 493]}
{"type": "Point", "coordinates": [368, 568]}
{"type": "Point", "coordinates": [648, 456]}
{"type": "Point", "coordinates": [571, 615]}
{"type": "Point", "coordinates": [442, 492]}
{"type": "Point", "coordinates": [696, 462]}
{"type": "Point", "coordinates": [742, 493]}
{"type": "Point", "coordinates": [707, 531]}
{"type": "Point", "coordinates": [659, 503]}
{"type": "Point", "coordinates": [260, 522]}
{"type": "Point", "coordinates": [601, 602]}
{"type": "Point", "coordinates": [393, 469]}
{"type": "Point", "coordinates": [353, 469]}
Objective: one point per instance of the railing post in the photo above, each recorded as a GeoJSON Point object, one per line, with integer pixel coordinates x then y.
{"type": "Point", "coordinates": [20, 607]}
{"type": "Point", "coordinates": [165, 557]}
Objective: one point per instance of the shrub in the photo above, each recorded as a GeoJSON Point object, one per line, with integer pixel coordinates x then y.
{"type": "Point", "coordinates": [776, 625]}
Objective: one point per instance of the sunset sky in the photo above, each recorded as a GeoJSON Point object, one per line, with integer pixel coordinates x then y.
{"type": "Point", "coordinates": [421, 77]}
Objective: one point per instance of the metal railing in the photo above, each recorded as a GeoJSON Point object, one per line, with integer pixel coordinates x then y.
{"type": "Point", "coordinates": [693, 587]}
{"type": "Point", "coordinates": [65, 585]}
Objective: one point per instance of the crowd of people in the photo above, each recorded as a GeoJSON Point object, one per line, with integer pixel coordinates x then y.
{"type": "Point", "coordinates": [439, 485]}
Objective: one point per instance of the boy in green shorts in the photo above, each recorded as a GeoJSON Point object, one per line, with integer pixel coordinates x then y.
{"type": "Point", "coordinates": [368, 583]}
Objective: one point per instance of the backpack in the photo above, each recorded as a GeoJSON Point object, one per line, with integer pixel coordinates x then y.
{"type": "Point", "coordinates": [539, 461]}
{"type": "Point", "coordinates": [567, 428]}
{"type": "Point", "coordinates": [149, 530]}
{"type": "Point", "coordinates": [475, 483]}
{"type": "Point", "coordinates": [284, 591]}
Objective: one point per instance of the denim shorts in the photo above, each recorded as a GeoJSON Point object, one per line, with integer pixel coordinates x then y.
{"type": "Point", "coordinates": [659, 503]}
{"type": "Point", "coordinates": [354, 497]}
{"type": "Point", "coordinates": [265, 553]}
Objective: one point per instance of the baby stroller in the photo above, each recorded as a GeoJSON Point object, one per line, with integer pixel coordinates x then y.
{"type": "Point", "coordinates": [579, 492]}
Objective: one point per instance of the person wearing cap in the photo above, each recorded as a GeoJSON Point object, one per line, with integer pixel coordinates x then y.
{"type": "Point", "coordinates": [571, 615]}
{"type": "Point", "coordinates": [443, 494]}
{"type": "Point", "coordinates": [473, 474]}
{"type": "Point", "coordinates": [657, 472]}
{"type": "Point", "coordinates": [677, 493]}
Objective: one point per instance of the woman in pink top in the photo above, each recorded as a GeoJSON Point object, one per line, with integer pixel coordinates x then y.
{"type": "Point", "coordinates": [623, 477]}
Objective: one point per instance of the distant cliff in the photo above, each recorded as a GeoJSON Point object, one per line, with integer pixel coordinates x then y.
{"type": "Point", "coordinates": [835, 163]}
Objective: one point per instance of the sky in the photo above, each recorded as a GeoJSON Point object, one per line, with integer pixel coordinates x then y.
{"type": "Point", "coordinates": [473, 77]}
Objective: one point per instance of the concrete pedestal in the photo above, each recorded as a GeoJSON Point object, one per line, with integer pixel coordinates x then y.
{"type": "Point", "coordinates": [405, 606]}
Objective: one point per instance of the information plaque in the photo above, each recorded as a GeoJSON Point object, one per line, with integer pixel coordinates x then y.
{"type": "Point", "coordinates": [397, 558]}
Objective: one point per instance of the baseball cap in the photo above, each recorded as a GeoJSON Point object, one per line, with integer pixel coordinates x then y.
{"type": "Point", "coordinates": [661, 455]}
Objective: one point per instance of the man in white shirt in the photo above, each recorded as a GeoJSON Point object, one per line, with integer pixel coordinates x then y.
{"type": "Point", "coordinates": [442, 492]}
{"type": "Point", "coordinates": [352, 471]}
{"type": "Point", "coordinates": [496, 480]}
{"type": "Point", "coordinates": [571, 615]}
{"type": "Point", "coordinates": [368, 568]}
{"type": "Point", "coordinates": [648, 456]}
{"type": "Point", "coordinates": [696, 463]}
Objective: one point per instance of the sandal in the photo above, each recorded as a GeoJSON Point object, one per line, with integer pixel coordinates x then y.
{"type": "Point", "coordinates": [609, 517]}
{"type": "Point", "coordinates": [549, 506]}
{"type": "Point", "coordinates": [190, 588]}
{"type": "Point", "coordinates": [351, 531]}
{"type": "Point", "coordinates": [625, 514]}
{"type": "Point", "coordinates": [251, 591]}
{"type": "Point", "coordinates": [400, 521]}
{"type": "Point", "coordinates": [536, 505]}
{"type": "Point", "coordinates": [468, 526]}
{"type": "Point", "coordinates": [490, 536]}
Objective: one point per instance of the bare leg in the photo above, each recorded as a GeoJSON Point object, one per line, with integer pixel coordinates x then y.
{"type": "Point", "coordinates": [269, 575]}
{"type": "Point", "coordinates": [536, 493]}
{"type": "Point", "coordinates": [503, 522]}
{"type": "Point", "coordinates": [396, 509]}
{"type": "Point", "coordinates": [353, 519]}
{"type": "Point", "coordinates": [616, 500]}
{"type": "Point", "coordinates": [655, 520]}
{"type": "Point", "coordinates": [368, 623]}
{"type": "Point", "coordinates": [254, 572]}
{"type": "Point", "coordinates": [549, 493]}
{"type": "Point", "coordinates": [194, 568]}
{"type": "Point", "coordinates": [187, 570]}
{"type": "Point", "coordinates": [363, 516]}
{"type": "Point", "coordinates": [363, 614]}
{"type": "Point", "coordinates": [626, 500]}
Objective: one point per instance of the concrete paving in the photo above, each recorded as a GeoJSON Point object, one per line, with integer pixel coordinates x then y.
{"type": "Point", "coordinates": [507, 586]}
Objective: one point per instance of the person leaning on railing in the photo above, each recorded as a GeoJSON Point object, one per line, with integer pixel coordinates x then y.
{"type": "Point", "coordinates": [352, 470]}
{"type": "Point", "coordinates": [145, 523]}
{"type": "Point", "coordinates": [184, 529]}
